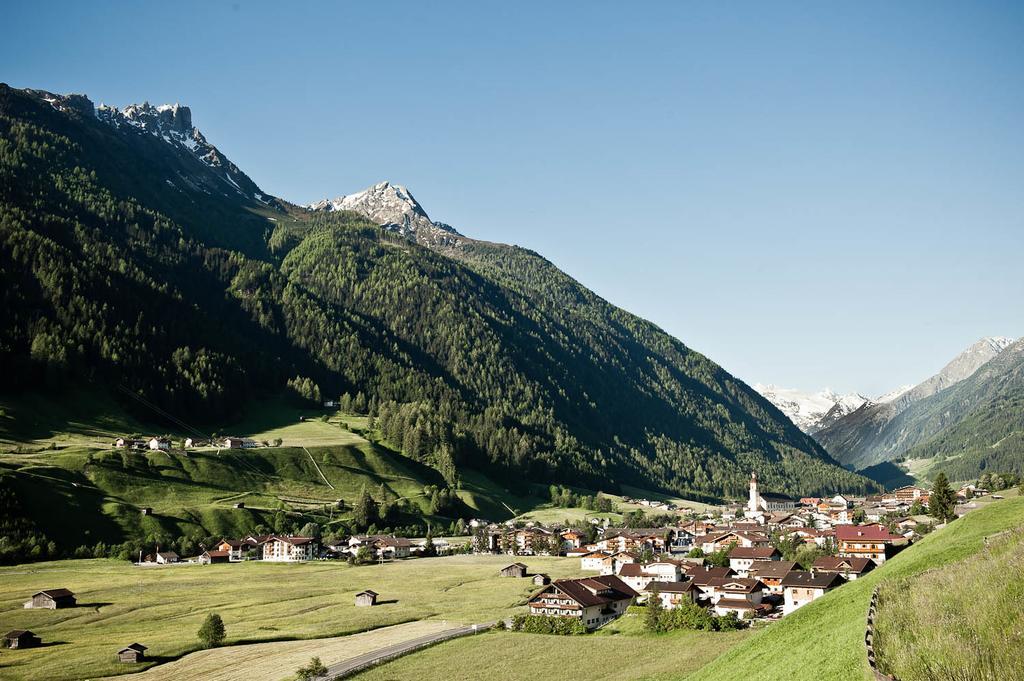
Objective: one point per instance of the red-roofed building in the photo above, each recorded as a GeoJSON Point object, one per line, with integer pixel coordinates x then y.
{"type": "Point", "coordinates": [864, 541]}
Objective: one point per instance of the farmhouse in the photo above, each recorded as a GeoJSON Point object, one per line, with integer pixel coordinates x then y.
{"type": "Point", "coordinates": [366, 598]}
{"type": "Point", "coordinates": [592, 600]}
{"type": "Point", "coordinates": [130, 443]}
{"type": "Point", "coordinates": [234, 548]}
{"type": "Point", "coordinates": [513, 570]}
{"type": "Point", "coordinates": [51, 599]}
{"type": "Point", "coordinates": [851, 568]}
{"type": "Point", "coordinates": [19, 638]}
{"type": "Point", "coordinates": [864, 541]}
{"type": "Point", "coordinates": [134, 652]}
{"type": "Point", "coordinates": [289, 549]}
{"type": "Point", "coordinates": [741, 557]}
{"type": "Point", "coordinates": [166, 557]}
{"type": "Point", "coordinates": [159, 443]}
{"type": "Point", "coordinates": [737, 594]}
{"type": "Point", "coordinates": [800, 588]}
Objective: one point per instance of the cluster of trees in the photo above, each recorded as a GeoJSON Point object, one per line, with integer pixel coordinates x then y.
{"type": "Point", "coordinates": [685, 615]}
{"type": "Point", "coordinates": [563, 497]}
{"type": "Point", "coordinates": [547, 624]}
{"type": "Point", "coordinates": [997, 482]}
{"type": "Point", "coordinates": [793, 547]}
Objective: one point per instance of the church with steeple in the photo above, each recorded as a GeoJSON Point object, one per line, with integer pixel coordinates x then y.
{"type": "Point", "coordinates": [759, 504]}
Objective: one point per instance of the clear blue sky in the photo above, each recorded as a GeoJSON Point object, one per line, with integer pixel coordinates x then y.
{"type": "Point", "coordinates": [809, 194]}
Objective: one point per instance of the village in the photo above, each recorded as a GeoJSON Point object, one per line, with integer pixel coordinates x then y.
{"type": "Point", "coordinates": [746, 564]}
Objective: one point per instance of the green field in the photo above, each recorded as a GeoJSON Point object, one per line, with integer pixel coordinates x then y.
{"type": "Point", "coordinates": [619, 652]}
{"type": "Point", "coordinates": [163, 607]}
{"type": "Point", "coordinates": [825, 640]}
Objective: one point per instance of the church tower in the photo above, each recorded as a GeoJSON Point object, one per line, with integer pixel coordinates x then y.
{"type": "Point", "coordinates": [754, 505]}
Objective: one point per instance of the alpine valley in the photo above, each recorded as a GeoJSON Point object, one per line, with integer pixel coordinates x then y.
{"type": "Point", "coordinates": [152, 286]}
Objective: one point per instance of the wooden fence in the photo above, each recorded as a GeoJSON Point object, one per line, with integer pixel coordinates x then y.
{"type": "Point", "coordinates": [869, 640]}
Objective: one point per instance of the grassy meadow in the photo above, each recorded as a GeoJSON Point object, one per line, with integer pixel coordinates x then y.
{"type": "Point", "coordinates": [163, 607]}
{"type": "Point", "coordinates": [621, 651]}
{"type": "Point", "coordinates": [279, 660]}
{"type": "Point", "coordinates": [963, 621]}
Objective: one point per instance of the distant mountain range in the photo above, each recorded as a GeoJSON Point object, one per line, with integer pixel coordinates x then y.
{"type": "Point", "coordinates": [813, 411]}
{"type": "Point", "coordinates": [936, 416]}
{"type": "Point", "coordinates": [137, 256]}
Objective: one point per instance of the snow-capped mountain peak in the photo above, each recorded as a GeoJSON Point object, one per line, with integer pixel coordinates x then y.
{"type": "Point", "coordinates": [809, 410]}
{"type": "Point", "coordinates": [394, 207]}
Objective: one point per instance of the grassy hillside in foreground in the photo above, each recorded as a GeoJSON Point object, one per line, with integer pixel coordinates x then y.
{"type": "Point", "coordinates": [622, 651]}
{"type": "Point", "coordinates": [913, 637]}
{"type": "Point", "coordinates": [825, 640]}
{"type": "Point", "coordinates": [163, 607]}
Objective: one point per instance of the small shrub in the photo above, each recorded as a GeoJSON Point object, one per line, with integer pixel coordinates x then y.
{"type": "Point", "coordinates": [212, 633]}
{"type": "Point", "coordinates": [547, 624]}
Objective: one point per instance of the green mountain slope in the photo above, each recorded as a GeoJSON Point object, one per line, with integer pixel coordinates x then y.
{"type": "Point", "coordinates": [132, 263]}
{"type": "Point", "coordinates": [825, 639]}
{"type": "Point", "coordinates": [882, 432]}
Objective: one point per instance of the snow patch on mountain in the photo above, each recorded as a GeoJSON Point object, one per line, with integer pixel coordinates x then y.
{"type": "Point", "coordinates": [393, 207]}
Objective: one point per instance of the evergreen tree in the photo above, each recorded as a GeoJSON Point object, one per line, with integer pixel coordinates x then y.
{"type": "Point", "coordinates": [653, 613]}
{"type": "Point", "coordinates": [211, 634]}
{"type": "Point", "coordinates": [942, 499]}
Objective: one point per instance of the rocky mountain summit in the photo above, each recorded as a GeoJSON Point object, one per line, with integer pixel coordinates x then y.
{"type": "Point", "coordinates": [393, 207]}
{"type": "Point", "coordinates": [171, 123]}
{"type": "Point", "coordinates": [810, 410]}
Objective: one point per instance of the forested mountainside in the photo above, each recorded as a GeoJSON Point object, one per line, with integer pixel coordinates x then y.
{"type": "Point", "coordinates": [136, 256]}
{"type": "Point", "coordinates": [978, 423]}
{"type": "Point", "coordinates": [880, 432]}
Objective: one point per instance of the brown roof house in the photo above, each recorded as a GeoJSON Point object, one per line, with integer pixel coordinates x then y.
{"type": "Point", "coordinates": [771, 573]}
{"type": "Point", "coordinates": [513, 570]}
{"type": "Point", "coordinates": [51, 599]}
{"type": "Point", "coordinates": [592, 600]}
{"type": "Point", "coordinates": [366, 598]}
{"type": "Point", "coordinates": [741, 557]}
{"type": "Point", "coordinates": [132, 653]}
{"type": "Point", "coordinates": [209, 557]}
{"type": "Point", "coordinates": [851, 568]}
{"type": "Point", "coordinates": [800, 588]}
{"type": "Point", "coordinates": [20, 638]}
{"type": "Point", "coordinates": [740, 595]}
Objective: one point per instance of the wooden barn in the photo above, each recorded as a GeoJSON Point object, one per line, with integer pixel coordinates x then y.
{"type": "Point", "coordinates": [19, 638]}
{"type": "Point", "coordinates": [51, 599]}
{"type": "Point", "coordinates": [209, 557]}
{"type": "Point", "coordinates": [366, 598]}
{"type": "Point", "coordinates": [513, 570]}
{"type": "Point", "coordinates": [133, 653]}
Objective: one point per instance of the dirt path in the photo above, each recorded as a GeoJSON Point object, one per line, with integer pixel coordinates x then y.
{"type": "Point", "coordinates": [276, 661]}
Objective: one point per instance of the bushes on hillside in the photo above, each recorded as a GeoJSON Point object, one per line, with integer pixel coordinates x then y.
{"type": "Point", "coordinates": [687, 615]}
{"type": "Point", "coordinates": [546, 624]}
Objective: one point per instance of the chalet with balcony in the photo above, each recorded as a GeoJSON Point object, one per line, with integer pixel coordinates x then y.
{"type": "Point", "coordinates": [864, 541]}
{"type": "Point", "coordinates": [851, 568]}
{"type": "Point", "coordinates": [594, 601]}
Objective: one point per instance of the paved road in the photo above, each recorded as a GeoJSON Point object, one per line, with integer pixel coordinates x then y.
{"type": "Point", "coordinates": [361, 662]}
